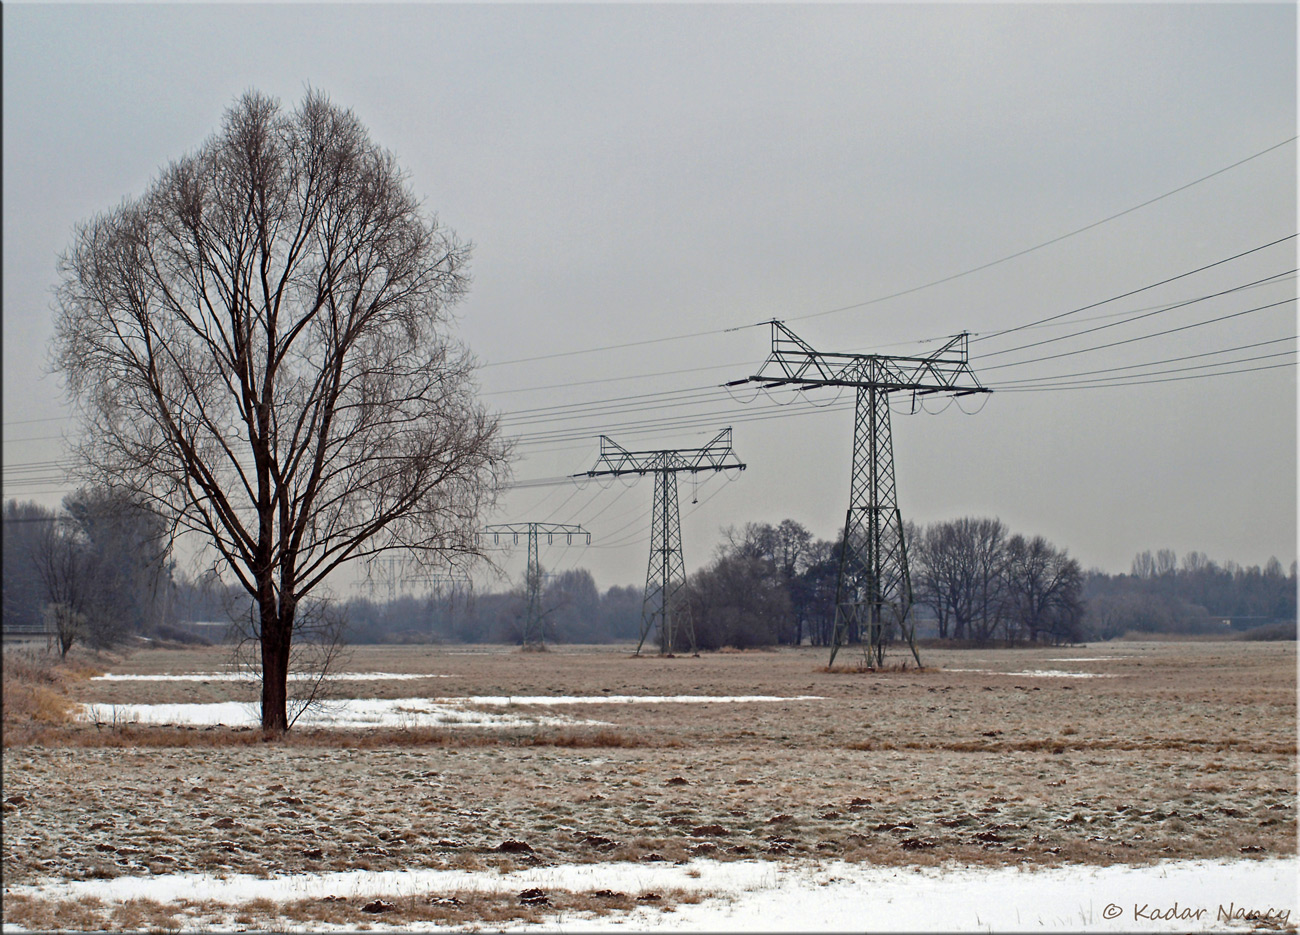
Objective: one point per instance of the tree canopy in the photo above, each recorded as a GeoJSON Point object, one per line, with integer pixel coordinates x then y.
{"type": "Point", "coordinates": [260, 346]}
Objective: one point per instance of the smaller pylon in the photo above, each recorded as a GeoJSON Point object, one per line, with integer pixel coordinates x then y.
{"type": "Point", "coordinates": [665, 581]}
{"type": "Point", "coordinates": [532, 629]}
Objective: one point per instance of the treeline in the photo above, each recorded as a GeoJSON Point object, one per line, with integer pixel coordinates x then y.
{"type": "Point", "coordinates": [971, 580]}
{"type": "Point", "coordinates": [94, 572]}
{"type": "Point", "coordinates": [1162, 594]}
{"type": "Point", "coordinates": [975, 581]}
{"type": "Point", "coordinates": [101, 569]}
{"type": "Point", "coordinates": [574, 611]}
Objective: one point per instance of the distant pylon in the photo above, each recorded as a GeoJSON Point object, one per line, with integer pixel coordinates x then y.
{"type": "Point", "coordinates": [665, 578]}
{"type": "Point", "coordinates": [532, 635]}
{"type": "Point", "coordinates": [874, 588]}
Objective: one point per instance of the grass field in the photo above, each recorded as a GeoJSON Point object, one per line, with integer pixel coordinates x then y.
{"type": "Point", "coordinates": [1122, 752]}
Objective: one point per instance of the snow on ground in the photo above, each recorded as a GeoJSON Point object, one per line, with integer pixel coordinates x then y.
{"type": "Point", "coordinates": [1043, 673]}
{"type": "Point", "coordinates": [243, 677]}
{"type": "Point", "coordinates": [393, 712]}
{"type": "Point", "coordinates": [624, 699]}
{"type": "Point", "coordinates": [353, 713]}
{"type": "Point", "coordinates": [749, 895]}
{"type": "Point", "coordinates": [1086, 658]}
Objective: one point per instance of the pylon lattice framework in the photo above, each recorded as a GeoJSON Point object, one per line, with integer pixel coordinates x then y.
{"type": "Point", "coordinates": [665, 579]}
{"type": "Point", "coordinates": [873, 589]}
{"type": "Point", "coordinates": [397, 570]}
{"type": "Point", "coordinates": [532, 629]}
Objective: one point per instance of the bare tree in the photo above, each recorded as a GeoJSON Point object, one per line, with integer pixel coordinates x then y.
{"type": "Point", "coordinates": [130, 555]}
{"type": "Point", "coordinates": [61, 562]}
{"type": "Point", "coordinates": [25, 524]}
{"type": "Point", "coordinates": [786, 549]}
{"type": "Point", "coordinates": [959, 573]}
{"type": "Point", "coordinates": [1043, 590]}
{"type": "Point", "coordinates": [259, 345]}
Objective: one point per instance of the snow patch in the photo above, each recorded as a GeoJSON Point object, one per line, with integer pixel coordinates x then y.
{"type": "Point", "coordinates": [354, 713]}
{"type": "Point", "coordinates": [503, 700]}
{"type": "Point", "coordinates": [750, 895]}
{"type": "Point", "coordinates": [1042, 673]}
{"type": "Point", "coordinates": [240, 677]}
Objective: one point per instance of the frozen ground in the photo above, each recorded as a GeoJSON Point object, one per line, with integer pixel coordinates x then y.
{"type": "Point", "coordinates": [831, 896]}
{"type": "Point", "coordinates": [750, 791]}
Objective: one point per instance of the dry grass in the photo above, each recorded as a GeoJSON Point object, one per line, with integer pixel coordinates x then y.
{"type": "Point", "coordinates": [861, 667]}
{"type": "Point", "coordinates": [1188, 750]}
{"type": "Point", "coordinates": [35, 687]}
{"type": "Point", "coordinates": [66, 733]}
{"type": "Point", "coordinates": [451, 908]}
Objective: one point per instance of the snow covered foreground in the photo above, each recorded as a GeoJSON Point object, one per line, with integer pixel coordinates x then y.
{"type": "Point", "coordinates": [761, 896]}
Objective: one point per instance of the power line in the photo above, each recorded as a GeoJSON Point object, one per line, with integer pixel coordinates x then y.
{"type": "Point", "coordinates": [1158, 311]}
{"type": "Point", "coordinates": [1131, 292]}
{"type": "Point", "coordinates": [1169, 360]}
{"type": "Point", "coordinates": [54, 471]}
{"type": "Point", "coordinates": [1131, 376]}
{"type": "Point", "coordinates": [908, 291]}
{"type": "Point", "coordinates": [1141, 337]}
{"type": "Point", "coordinates": [608, 347]}
{"type": "Point", "coordinates": [1046, 243]}
{"type": "Point", "coordinates": [1092, 386]}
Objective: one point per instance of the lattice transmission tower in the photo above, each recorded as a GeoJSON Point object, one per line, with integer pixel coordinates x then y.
{"type": "Point", "coordinates": [532, 635]}
{"type": "Point", "coordinates": [873, 588]}
{"type": "Point", "coordinates": [665, 577]}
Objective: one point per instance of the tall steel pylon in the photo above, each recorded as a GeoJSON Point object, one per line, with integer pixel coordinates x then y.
{"type": "Point", "coordinates": [666, 574]}
{"type": "Point", "coordinates": [873, 589]}
{"type": "Point", "coordinates": [532, 635]}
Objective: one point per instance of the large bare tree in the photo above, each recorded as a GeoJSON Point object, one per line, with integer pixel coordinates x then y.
{"type": "Point", "coordinates": [260, 345]}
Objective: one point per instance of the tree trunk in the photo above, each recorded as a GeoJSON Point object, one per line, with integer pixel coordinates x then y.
{"type": "Point", "coordinates": [277, 630]}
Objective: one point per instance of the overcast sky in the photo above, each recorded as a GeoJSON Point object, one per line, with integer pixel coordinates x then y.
{"type": "Point", "coordinates": [663, 173]}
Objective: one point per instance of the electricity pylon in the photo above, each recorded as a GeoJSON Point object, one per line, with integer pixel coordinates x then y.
{"type": "Point", "coordinates": [533, 616]}
{"type": "Point", "coordinates": [666, 574]}
{"type": "Point", "coordinates": [394, 571]}
{"type": "Point", "coordinates": [873, 588]}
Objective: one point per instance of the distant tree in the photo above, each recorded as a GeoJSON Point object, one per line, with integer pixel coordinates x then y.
{"type": "Point", "coordinates": [130, 550]}
{"type": "Point", "coordinates": [259, 346]}
{"type": "Point", "coordinates": [572, 603]}
{"type": "Point", "coordinates": [959, 571]}
{"type": "Point", "coordinates": [62, 562]}
{"type": "Point", "coordinates": [1043, 591]}
{"type": "Point", "coordinates": [1195, 562]}
{"type": "Point", "coordinates": [786, 550]}
{"type": "Point", "coordinates": [813, 594]}
{"type": "Point", "coordinates": [620, 612]}
{"type": "Point", "coordinates": [25, 526]}
{"type": "Point", "coordinates": [737, 602]}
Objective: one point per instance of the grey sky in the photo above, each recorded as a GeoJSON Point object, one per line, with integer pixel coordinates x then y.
{"type": "Point", "coordinates": [630, 173]}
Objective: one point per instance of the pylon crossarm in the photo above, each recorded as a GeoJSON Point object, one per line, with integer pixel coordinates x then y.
{"type": "Point", "coordinates": [616, 460]}
{"type": "Point", "coordinates": [794, 363]}
{"type": "Point", "coordinates": [533, 613]}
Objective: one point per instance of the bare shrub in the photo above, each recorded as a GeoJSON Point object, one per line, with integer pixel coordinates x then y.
{"type": "Point", "coordinates": [318, 651]}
